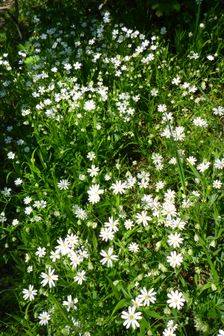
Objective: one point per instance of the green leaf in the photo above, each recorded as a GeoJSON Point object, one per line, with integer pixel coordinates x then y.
{"type": "Point", "coordinates": [42, 160]}
{"type": "Point", "coordinates": [212, 200]}
{"type": "Point", "coordinates": [27, 310]}
{"type": "Point", "coordinates": [59, 307]}
{"type": "Point", "coordinates": [32, 165]}
{"type": "Point", "coordinates": [212, 313]}
{"type": "Point", "coordinates": [209, 260]}
{"type": "Point", "coordinates": [144, 326]}
{"type": "Point", "coordinates": [119, 305]}
{"type": "Point", "coordinates": [94, 240]}
{"type": "Point", "coordinates": [29, 333]}
{"type": "Point", "coordinates": [152, 313]}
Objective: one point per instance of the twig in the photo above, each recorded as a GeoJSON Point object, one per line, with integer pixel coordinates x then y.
{"type": "Point", "coordinates": [15, 20]}
{"type": "Point", "coordinates": [14, 17]}
{"type": "Point", "coordinates": [4, 8]}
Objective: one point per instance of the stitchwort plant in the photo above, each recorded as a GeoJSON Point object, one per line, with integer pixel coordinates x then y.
{"type": "Point", "coordinates": [113, 180]}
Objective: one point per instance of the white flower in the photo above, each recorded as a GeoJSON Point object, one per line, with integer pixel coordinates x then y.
{"type": "Point", "coordinates": [218, 111]}
{"type": "Point", "coordinates": [89, 105]}
{"type": "Point", "coordinates": [2, 217]}
{"type": "Point", "coordinates": [131, 318]}
{"type": "Point", "coordinates": [49, 278]}
{"type": "Point", "coordinates": [18, 181]}
{"type": "Point", "coordinates": [82, 177]}
{"type": "Point", "coordinates": [67, 66]}
{"type": "Point", "coordinates": [143, 218]}
{"type": "Point", "coordinates": [11, 155]}
{"type": "Point", "coordinates": [8, 140]}
{"type": "Point", "coordinates": [54, 255]}
{"type": "Point", "coordinates": [41, 251]}
{"type": "Point", "coordinates": [176, 80]}
{"type": "Point", "coordinates": [143, 183]}
{"type": "Point", "coordinates": [175, 299]}
{"type": "Point", "coordinates": [221, 332]}
{"type": "Point", "coordinates": [219, 164]}
{"type": "Point", "coordinates": [27, 200]}
{"type": "Point", "coordinates": [192, 89]}
{"type": "Point", "coordinates": [63, 247]}
{"type": "Point", "coordinates": [193, 55]}
{"type": "Point", "coordinates": [79, 212]}
{"type": "Point", "coordinates": [163, 31]}
{"type": "Point", "coordinates": [186, 85]}
{"type": "Point", "coordinates": [133, 247]}
{"type": "Point", "coordinates": [93, 171]}
{"type": "Point", "coordinates": [77, 65]}
{"type": "Point", "coordinates": [112, 224]}
{"type": "Point", "coordinates": [6, 191]}
{"type": "Point", "coordinates": [147, 297]}
{"type": "Point", "coordinates": [169, 332]}
{"type": "Point", "coordinates": [131, 180]}
{"type": "Point", "coordinates": [158, 161]}
{"type": "Point", "coordinates": [167, 117]}
{"type": "Point", "coordinates": [210, 57]}
{"type": "Point", "coordinates": [118, 187]}
{"type": "Point", "coordinates": [203, 166]}
{"type": "Point", "coordinates": [63, 184]}
{"type": "Point", "coordinates": [169, 209]}
{"type": "Point", "coordinates": [106, 17]}
{"type": "Point", "coordinates": [94, 193]}
{"type": "Point", "coordinates": [217, 184]}
{"type": "Point", "coordinates": [106, 234]}
{"type": "Point", "coordinates": [70, 303]}
{"type": "Point", "coordinates": [154, 92]}
{"type": "Point", "coordinates": [40, 204]}
{"type": "Point", "coordinates": [170, 324]}
{"type": "Point", "coordinates": [178, 133]}
{"type": "Point", "coordinates": [137, 302]}
{"type": "Point", "coordinates": [44, 317]}
{"type": "Point", "coordinates": [28, 294]}
{"type": "Point", "coordinates": [175, 259]}
{"type": "Point", "coordinates": [91, 156]}
{"type": "Point", "coordinates": [28, 210]}
{"type": "Point", "coordinates": [72, 240]}
{"type": "Point", "coordinates": [170, 195]}
{"type": "Point", "coordinates": [75, 259]}
{"type": "Point", "coordinates": [107, 177]}
{"type": "Point", "coordinates": [15, 222]}
{"type": "Point", "coordinates": [175, 240]}
{"type": "Point", "coordinates": [200, 122]}
{"type": "Point", "coordinates": [192, 160]}
{"type": "Point", "coordinates": [108, 257]}
{"type": "Point", "coordinates": [80, 277]}
{"type": "Point", "coordinates": [84, 253]}
{"type": "Point", "coordinates": [128, 224]}
{"type": "Point", "coordinates": [149, 58]}
{"type": "Point", "coordinates": [162, 108]}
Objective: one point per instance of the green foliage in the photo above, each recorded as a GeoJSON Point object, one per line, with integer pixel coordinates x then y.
{"type": "Point", "coordinates": [113, 175]}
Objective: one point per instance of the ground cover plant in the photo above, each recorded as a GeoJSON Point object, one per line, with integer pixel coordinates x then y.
{"type": "Point", "coordinates": [113, 178]}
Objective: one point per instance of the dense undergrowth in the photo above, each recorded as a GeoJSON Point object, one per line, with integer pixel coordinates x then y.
{"type": "Point", "coordinates": [112, 179]}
